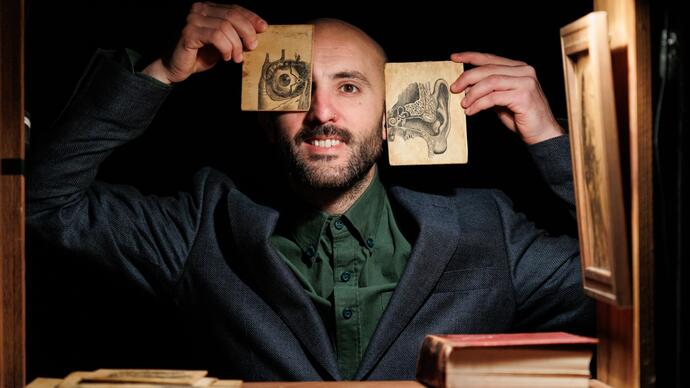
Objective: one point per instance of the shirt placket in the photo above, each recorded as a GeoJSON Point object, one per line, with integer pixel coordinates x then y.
{"type": "Point", "coordinates": [347, 309]}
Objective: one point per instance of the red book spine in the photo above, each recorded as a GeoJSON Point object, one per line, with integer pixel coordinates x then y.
{"type": "Point", "coordinates": [431, 364]}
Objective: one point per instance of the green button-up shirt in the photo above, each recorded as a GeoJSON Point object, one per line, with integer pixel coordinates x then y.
{"type": "Point", "coordinates": [349, 265]}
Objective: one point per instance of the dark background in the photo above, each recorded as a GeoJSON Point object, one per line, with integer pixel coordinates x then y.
{"type": "Point", "coordinates": [80, 318]}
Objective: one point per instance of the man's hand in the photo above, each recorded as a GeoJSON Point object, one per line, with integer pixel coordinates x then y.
{"type": "Point", "coordinates": [213, 32]}
{"type": "Point", "coordinates": [512, 88]}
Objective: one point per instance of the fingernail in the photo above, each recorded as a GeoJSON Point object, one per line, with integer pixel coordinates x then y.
{"type": "Point", "coordinates": [253, 44]}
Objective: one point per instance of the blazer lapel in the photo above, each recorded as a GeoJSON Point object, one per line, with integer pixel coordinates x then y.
{"type": "Point", "coordinates": [435, 244]}
{"type": "Point", "coordinates": [252, 225]}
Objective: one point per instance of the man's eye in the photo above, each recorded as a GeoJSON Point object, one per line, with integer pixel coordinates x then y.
{"type": "Point", "coordinates": [349, 88]}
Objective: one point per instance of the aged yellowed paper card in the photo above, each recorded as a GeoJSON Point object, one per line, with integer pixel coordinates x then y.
{"type": "Point", "coordinates": [276, 76]}
{"type": "Point", "coordinates": [424, 121]}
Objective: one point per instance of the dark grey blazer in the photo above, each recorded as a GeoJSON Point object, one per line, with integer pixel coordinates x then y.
{"type": "Point", "coordinates": [476, 265]}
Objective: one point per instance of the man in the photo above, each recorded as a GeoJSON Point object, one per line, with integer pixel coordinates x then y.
{"type": "Point", "coordinates": [344, 278]}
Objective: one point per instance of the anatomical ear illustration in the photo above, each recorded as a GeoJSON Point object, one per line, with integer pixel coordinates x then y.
{"type": "Point", "coordinates": [424, 121]}
{"type": "Point", "coordinates": [422, 111]}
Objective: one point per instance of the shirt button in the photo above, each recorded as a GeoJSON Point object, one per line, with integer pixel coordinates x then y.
{"type": "Point", "coordinates": [345, 276]}
{"type": "Point", "coordinates": [339, 224]}
{"type": "Point", "coordinates": [370, 242]}
{"type": "Point", "coordinates": [347, 313]}
{"type": "Point", "coordinates": [310, 252]}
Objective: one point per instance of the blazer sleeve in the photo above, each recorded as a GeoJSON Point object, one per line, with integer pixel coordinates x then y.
{"type": "Point", "coordinates": [552, 158]}
{"type": "Point", "coordinates": [546, 276]}
{"type": "Point", "coordinates": [148, 237]}
{"type": "Point", "coordinates": [545, 269]}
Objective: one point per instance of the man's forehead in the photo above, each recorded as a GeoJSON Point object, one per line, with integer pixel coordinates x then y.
{"type": "Point", "coordinates": [331, 42]}
{"type": "Point", "coordinates": [334, 34]}
{"type": "Point", "coordinates": [337, 62]}
{"type": "Point", "coordinates": [342, 52]}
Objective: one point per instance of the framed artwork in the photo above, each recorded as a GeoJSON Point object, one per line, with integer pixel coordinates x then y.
{"type": "Point", "coordinates": [596, 161]}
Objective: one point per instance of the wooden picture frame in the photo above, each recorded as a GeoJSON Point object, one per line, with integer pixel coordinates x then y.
{"type": "Point", "coordinates": [12, 266]}
{"type": "Point", "coordinates": [596, 160]}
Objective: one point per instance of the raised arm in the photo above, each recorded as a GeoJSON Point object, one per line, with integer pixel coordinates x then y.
{"type": "Point", "coordinates": [213, 32]}
{"type": "Point", "coordinates": [147, 236]}
{"type": "Point", "coordinates": [546, 276]}
{"type": "Point", "coordinates": [545, 269]}
{"type": "Point", "coordinates": [512, 89]}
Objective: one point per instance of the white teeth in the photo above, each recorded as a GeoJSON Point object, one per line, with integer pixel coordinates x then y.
{"type": "Point", "coordinates": [326, 143]}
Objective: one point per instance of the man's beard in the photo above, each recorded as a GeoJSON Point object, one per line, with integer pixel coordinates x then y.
{"type": "Point", "coordinates": [316, 172]}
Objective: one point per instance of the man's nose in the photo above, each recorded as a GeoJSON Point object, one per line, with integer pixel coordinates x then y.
{"type": "Point", "coordinates": [322, 108]}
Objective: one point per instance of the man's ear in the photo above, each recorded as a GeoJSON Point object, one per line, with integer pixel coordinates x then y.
{"type": "Point", "coordinates": [442, 95]}
{"type": "Point", "coordinates": [267, 123]}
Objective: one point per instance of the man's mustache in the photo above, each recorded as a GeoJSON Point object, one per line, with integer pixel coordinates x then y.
{"type": "Point", "coordinates": [327, 130]}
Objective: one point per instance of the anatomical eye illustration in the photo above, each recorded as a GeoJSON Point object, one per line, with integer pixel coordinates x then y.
{"type": "Point", "coordinates": [283, 82]}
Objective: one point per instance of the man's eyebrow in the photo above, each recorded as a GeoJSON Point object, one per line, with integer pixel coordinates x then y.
{"type": "Point", "coordinates": [353, 74]}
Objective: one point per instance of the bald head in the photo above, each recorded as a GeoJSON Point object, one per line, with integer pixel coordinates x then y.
{"type": "Point", "coordinates": [327, 27]}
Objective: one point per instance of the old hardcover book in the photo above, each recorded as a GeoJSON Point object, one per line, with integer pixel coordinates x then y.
{"type": "Point", "coordinates": [553, 359]}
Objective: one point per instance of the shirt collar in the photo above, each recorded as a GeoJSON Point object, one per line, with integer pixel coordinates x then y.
{"type": "Point", "coordinates": [362, 218]}
{"type": "Point", "coordinates": [365, 213]}
{"type": "Point", "coordinates": [307, 226]}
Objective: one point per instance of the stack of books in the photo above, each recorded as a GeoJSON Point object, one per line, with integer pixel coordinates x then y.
{"type": "Point", "coordinates": [554, 359]}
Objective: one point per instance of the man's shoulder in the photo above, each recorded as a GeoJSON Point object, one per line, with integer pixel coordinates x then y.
{"type": "Point", "coordinates": [214, 187]}
{"type": "Point", "coordinates": [209, 182]}
{"type": "Point", "coordinates": [210, 176]}
{"type": "Point", "coordinates": [457, 197]}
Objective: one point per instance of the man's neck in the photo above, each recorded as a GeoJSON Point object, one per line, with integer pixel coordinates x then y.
{"type": "Point", "coordinates": [334, 201]}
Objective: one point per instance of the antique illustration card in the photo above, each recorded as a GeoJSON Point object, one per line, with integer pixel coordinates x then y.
{"type": "Point", "coordinates": [424, 121]}
{"type": "Point", "coordinates": [276, 76]}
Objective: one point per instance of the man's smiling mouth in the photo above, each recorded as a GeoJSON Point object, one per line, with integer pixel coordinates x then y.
{"type": "Point", "coordinates": [324, 143]}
